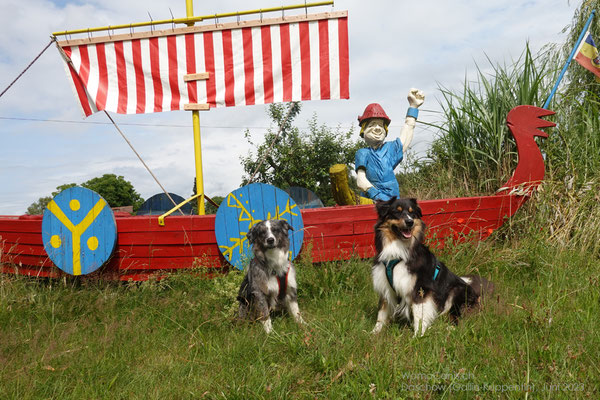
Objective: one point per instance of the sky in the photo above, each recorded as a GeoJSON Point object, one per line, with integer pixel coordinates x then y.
{"type": "Point", "coordinates": [394, 45]}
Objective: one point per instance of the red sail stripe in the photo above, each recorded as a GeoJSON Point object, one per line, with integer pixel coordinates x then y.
{"type": "Point", "coordinates": [286, 62]}
{"type": "Point", "coordinates": [209, 58]}
{"type": "Point", "coordinates": [324, 59]}
{"type": "Point", "coordinates": [121, 78]}
{"type": "Point", "coordinates": [248, 66]}
{"type": "Point", "coordinates": [102, 77]}
{"type": "Point", "coordinates": [344, 58]}
{"type": "Point", "coordinates": [84, 69]}
{"type": "Point", "coordinates": [265, 32]}
{"type": "Point", "coordinates": [190, 54]}
{"type": "Point", "coordinates": [79, 85]}
{"type": "Point", "coordinates": [155, 71]}
{"type": "Point", "coordinates": [305, 59]}
{"type": "Point", "coordinates": [173, 83]}
{"type": "Point", "coordinates": [229, 75]}
{"type": "Point", "coordinates": [140, 86]}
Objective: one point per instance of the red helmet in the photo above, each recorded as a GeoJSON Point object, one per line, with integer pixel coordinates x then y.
{"type": "Point", "coordinates": [373, 110]}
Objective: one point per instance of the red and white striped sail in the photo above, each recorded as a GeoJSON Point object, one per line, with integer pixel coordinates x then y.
{"type": "Point", "coordinates": [251, 62]}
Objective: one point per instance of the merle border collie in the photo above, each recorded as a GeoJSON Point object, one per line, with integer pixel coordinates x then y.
{"type": "Point", "coordinates": [270, 281]}
{"type": "Point", "coordinates": [411, 282]}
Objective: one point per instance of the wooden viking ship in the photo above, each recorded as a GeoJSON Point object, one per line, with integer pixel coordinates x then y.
{"type": "Point", "coordinates": [197, 68]}
{"type": "Point", "coordinates": [145, 248]}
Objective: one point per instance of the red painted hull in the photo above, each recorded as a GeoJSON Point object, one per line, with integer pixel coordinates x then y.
{"type": "Point", "coordinates": [335, 233]}
{"type": "Point", "coordinates": [144, 248]}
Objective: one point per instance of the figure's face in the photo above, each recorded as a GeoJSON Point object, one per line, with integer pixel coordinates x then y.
{"type": "Point", "coordinates": [375, 133]}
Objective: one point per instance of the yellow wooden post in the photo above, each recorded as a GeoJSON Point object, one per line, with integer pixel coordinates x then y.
{"type": "Point", "coordinates": [189, 8]}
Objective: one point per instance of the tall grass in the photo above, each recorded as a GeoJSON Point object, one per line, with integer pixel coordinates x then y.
{"type": "Point", "coordinates": [474, 142]}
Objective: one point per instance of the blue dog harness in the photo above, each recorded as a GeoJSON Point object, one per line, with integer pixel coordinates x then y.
{"type": "Point", "coordinates": [389, 270]}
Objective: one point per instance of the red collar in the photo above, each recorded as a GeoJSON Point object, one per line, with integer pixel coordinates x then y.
{"type": "Point", "coordinates": [282, 282]}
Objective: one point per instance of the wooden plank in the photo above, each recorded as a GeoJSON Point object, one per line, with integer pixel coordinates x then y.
{"type": "Point", "coordinates": [196, 107]}
{"type": "Point", "coordinates": [20, 225]}
{"type": "Point", "coordinates": [27, 260]}
{"type": "Point", "coordinates": [173, 223]}
{"type": "Point", "coordinates": [21, 238]}
{"type": "Point", "coordinates": [126, 264]}
{"type": "Point", "coordinates": [156, 251]}
{"type": "Point", "coordinates": [167, 238]}
{"type": "Point", "coordinates": [31, 271]}
{"type": "Point", "coordinates": [196, 77]}
{"type": "Point", "coordinates": [329, 229]}
{"type": "Point", "coordinates": [26, 249]}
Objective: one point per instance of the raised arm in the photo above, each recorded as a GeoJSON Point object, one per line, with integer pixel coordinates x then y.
{"type": "Point", "coordinates": [415, 99]}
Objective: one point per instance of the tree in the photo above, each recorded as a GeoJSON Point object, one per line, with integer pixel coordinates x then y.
{"type": "Point", "coordinates": [114, 189]}
{"type": "Point", "coordinates": [117, 191]}
{"type": "Point", "coordinates": [289, 157]}
{"type": "Point", "coordinates": [39, 206]}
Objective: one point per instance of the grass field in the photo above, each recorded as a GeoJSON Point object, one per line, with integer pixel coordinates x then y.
{"type": "Point", "coordinates": [536, 336]}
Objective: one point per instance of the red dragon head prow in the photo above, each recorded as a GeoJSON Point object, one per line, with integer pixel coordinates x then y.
{"type": "Point", "coordinates": [525, 122]}
{"type": "Point", "coordinates": [528, 119]}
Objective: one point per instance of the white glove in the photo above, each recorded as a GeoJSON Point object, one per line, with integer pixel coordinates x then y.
{"type": "Point", "coordinates": [415, 97]}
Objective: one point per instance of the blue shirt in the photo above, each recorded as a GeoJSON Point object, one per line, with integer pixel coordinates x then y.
{"type": "Point", "coordinates": [379, 165]}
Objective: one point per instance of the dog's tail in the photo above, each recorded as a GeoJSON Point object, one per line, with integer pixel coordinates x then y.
{"type": "Point", "coordinates": [481, 287]}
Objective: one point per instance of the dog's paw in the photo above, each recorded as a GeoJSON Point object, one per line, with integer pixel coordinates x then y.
{"type": "Point", "coordinates": [268, 325]}
{"type": "Point", "coordinates": [377, 329]}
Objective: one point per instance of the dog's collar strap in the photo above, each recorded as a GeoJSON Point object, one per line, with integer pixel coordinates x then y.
{"type": "Point", "coordinates": [282, 282]}
{"type": "Point", "coordinates": [436, 272]}
{"type": "Point", "coordinates": [389, 270]}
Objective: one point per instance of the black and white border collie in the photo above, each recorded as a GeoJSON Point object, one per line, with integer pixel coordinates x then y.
{"type": "Point", "coordinates": [411, 282]}
{"type": "Point", "coordinates": [270, 281]}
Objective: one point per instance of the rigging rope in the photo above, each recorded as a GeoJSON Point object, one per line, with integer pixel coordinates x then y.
{"type": "Point", "coordinates": [140, 158]}
{"type": "Point", "coordinates": [30, 64]}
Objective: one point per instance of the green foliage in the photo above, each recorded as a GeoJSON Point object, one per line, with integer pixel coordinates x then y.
{"type": "Point", "coordinates": [290, 157]}
{"type": "Point", "coordinates": [38, 207]}
{"type": "Point", "coordinates": [114, 189]}
{"type": "Point", "coordinates": [117, 191]}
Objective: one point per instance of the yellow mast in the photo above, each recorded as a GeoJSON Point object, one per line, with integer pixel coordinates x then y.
{"type": "Point", "coordinates": [189, 8]}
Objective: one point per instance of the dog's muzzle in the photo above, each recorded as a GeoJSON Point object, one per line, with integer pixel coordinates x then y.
{"type": "Point", "coordinates": [404, 229]}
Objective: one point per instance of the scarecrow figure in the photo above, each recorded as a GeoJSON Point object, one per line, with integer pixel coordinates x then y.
{"type": "Point", "coordinates": [375, 164]}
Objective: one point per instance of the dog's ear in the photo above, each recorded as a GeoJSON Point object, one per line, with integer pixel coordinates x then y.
{"type": "Point", "coordinates": [416, 207]}
{"type": "Point", "coordinates": [251, 235]}
{"type": "Point", "coordinates": [383, 206]}
{"type": "Point", "coordinates": [285, 225]}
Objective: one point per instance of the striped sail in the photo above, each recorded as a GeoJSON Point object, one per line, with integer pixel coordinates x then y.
{"type": "Point", "coordinates": [252, 62]}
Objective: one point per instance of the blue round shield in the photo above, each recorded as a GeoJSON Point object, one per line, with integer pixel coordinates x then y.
{"type": "Point", "coordinates": [78, 231]}
{"type": "Point", "coordinates": [246, 206]}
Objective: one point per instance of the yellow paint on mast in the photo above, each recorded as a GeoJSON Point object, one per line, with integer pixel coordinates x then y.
{"type": "Point", "coordinates": [189, 9]}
